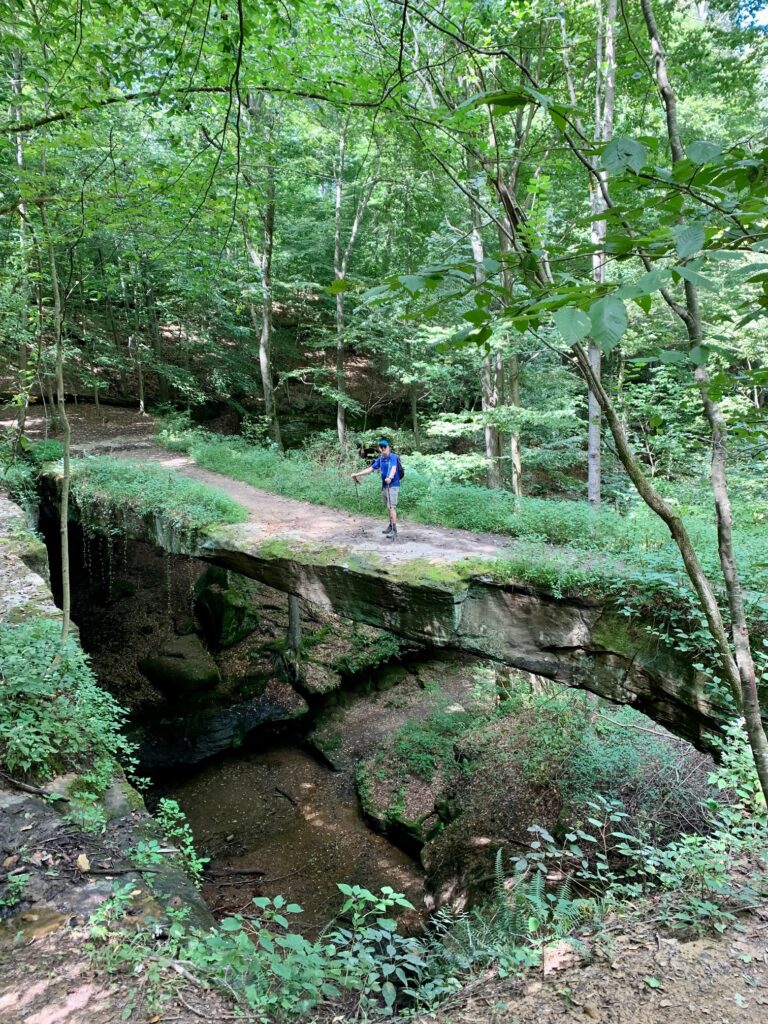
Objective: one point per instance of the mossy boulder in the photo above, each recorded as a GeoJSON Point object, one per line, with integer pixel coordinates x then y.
{"type": "Point", "coordinates": [224, 605]}
{"type": "Point", "coordinates": [181, 667]}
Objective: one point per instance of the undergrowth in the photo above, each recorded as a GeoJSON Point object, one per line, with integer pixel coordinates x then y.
{"type": "Point", "coordinates": [47, 695]}
{"type": "Point", "coordinates": [100, 484]}
{"type": "Point", "coordinates": [362, 966]}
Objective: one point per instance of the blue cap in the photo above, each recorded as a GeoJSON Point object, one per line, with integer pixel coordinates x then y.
{"type": "Point", "coordinates": [383, 440]}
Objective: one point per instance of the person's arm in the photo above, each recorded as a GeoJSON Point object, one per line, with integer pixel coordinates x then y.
{"type": "Point", "coordinates": [392, 470]}
{"type": "Point", "coordinates": [363, 472]}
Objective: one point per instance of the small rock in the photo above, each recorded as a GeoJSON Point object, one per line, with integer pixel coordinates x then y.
{"type": "Point", "coordinates": [591, 1011]}
{"type": "Point", "coordinates": [83, 864]}
{"type": "Point", "coordinates": [11, 862]}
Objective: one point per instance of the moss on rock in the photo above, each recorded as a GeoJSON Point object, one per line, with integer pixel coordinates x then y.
{"type": "Point", "coordinates": [225, 607]}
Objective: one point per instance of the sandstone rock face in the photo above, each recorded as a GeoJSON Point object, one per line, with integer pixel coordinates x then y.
{"type": "Point", "coordinates": [576, 641]}
{"type": "Point", "coordinates": [224, 607]}
{"type": "Point", "coordinates": [181, 667]}
{"type": "Point", "coordinates": [195, 735]}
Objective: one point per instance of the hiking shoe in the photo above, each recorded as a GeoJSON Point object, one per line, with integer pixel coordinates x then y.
{"type": "Point", "coordinates": [392, 534]}
{"type": "Point", "coordinates": [388, 530]}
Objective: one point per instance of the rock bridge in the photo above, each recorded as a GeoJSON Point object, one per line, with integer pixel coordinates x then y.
{"type": "Point", "coordinates": [430, 587]}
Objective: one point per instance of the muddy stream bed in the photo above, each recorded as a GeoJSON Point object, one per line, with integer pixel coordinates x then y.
{"type": "Point", "coordinates": [282, 812]}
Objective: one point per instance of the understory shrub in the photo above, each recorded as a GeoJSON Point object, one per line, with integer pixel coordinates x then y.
{"type": "Point", "coordinates": [53, 715]}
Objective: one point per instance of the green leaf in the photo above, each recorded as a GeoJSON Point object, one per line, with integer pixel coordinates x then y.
{"type": "Point", "coordinates": [608, 317]}
{"type": "Point", "coordinates": [702, 152]}
{"type": "Point", "coordinates": [689, 239]}
{"type": "Point", "coordinates": [572, 323]}
{"type": "Point", "coordinates": [652, 982]}
{"type": "Point", "coordinates": [342, 285]}
{"type": "Point", "coordinates": [475, 316]}
{"type": "Point", "coordinates": [621, 153]}
{"type": "Point", "coordinates": [389, 993]}
{"type": "Point", "coordinates": [646, 284]}
{"type": "Point", "coordinates": [377, 294]}
{"type": "Point", "coordinates": [505, 99]}
{"type": "Point", "coordinates": [672, 357]}
{"type": "Point", "coordinates": [413, 283]}
{"type": "Point", "coordinates": [230, 924]}
{"type": "Point", "coordinates": [693, 276]}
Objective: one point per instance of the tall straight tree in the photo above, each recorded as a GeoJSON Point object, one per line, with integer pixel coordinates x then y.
{"type": "Point", "coordinates": [262, 258]}
{"type": "Point", "coordinates": [342, 252]}
{"type": "Point", "coordinates": [604, 105]}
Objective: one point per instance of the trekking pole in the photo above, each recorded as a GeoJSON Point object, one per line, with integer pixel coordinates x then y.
{"type": "Point", "coordinates": [359, 505]}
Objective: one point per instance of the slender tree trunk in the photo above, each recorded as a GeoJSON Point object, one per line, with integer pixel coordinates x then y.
{"type": "Point", "coordinates": [25, 384]}
{"type": "Point", "coordinates": [154, 329]}
{"type": "Point", "coordinates": [338, 273]}
{"type": "Point", "coordinates": [341, 257]}
{"type": "Point", "coordinates": [489, 375]}
{"type": "Point", "coordinates": [66, 600]}
{"type": "Point", "coordinates": [744, 680]}
{"type": "Point", "coordinates": [514, 438]}
{"type": "Point", "coordinates": [265, 339]}
{"type": "Point", "coordinates": [513, 392]}
{"type": "Point", "coordinates": [413, 394]}
{"type": "Point", "coordinates": [262, 325]}
{"type": "Point", "coordinates": [605, 94]}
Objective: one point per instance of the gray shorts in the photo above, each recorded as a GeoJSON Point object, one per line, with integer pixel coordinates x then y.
{"type": "Point", "coordinates": [390, 495]}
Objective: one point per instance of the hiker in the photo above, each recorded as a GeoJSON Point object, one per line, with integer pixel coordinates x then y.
{"type": "Point", "coordinates": [391, 469]}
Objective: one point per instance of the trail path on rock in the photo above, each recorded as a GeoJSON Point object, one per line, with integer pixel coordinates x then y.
{"type": "Point", "coordinates": [273, 517]}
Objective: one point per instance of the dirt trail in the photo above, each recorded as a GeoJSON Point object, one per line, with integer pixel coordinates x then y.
{"type": "Point", "coordinates": [275, 517]}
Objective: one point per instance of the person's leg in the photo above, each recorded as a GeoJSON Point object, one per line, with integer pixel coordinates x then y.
{"type": "Point", "coordinates": [385, 497]}
{"type": "Point", "coordinates": [394, 494]}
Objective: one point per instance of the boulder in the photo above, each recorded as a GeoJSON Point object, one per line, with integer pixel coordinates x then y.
{"type": "Point", "coordinates": [317, 679]}
{"type": "Point", "coordinates": [181, 667]}
{"type": "Point", "coordinates": [224, 606]}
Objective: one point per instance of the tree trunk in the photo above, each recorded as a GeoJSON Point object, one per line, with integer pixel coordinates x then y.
{"type": "Point", "coordinates": [263, 261]}
{"type": "Point", "coordinates": [740, 670]}
{"type": "Point", "coordinates": [514, 437]}
{"type": "Point", "coordinates": [25, 383]}
{"type": "Point", "coordinates": [341, 257]}
{"type": "Point", "coordinates": [338, 273]}
{"type": "Point", "coordinates": [66, 600]}
{"type": "Point", "coordinates": [605, 94]}
{"type": "Point", "coordinates": [154, 329]}
{"type": "Point", "coordinates": [413, 394]}
{"type": "Point", "coordinates": [513, 393]}
{"type": "Point", "coordinates": [490, 374]}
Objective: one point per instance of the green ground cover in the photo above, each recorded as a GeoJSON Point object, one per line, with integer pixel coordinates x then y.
{"type": "Point", "coordinates": [54, 717]}
{"type": "Point", "coordinates": [99, 483]}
